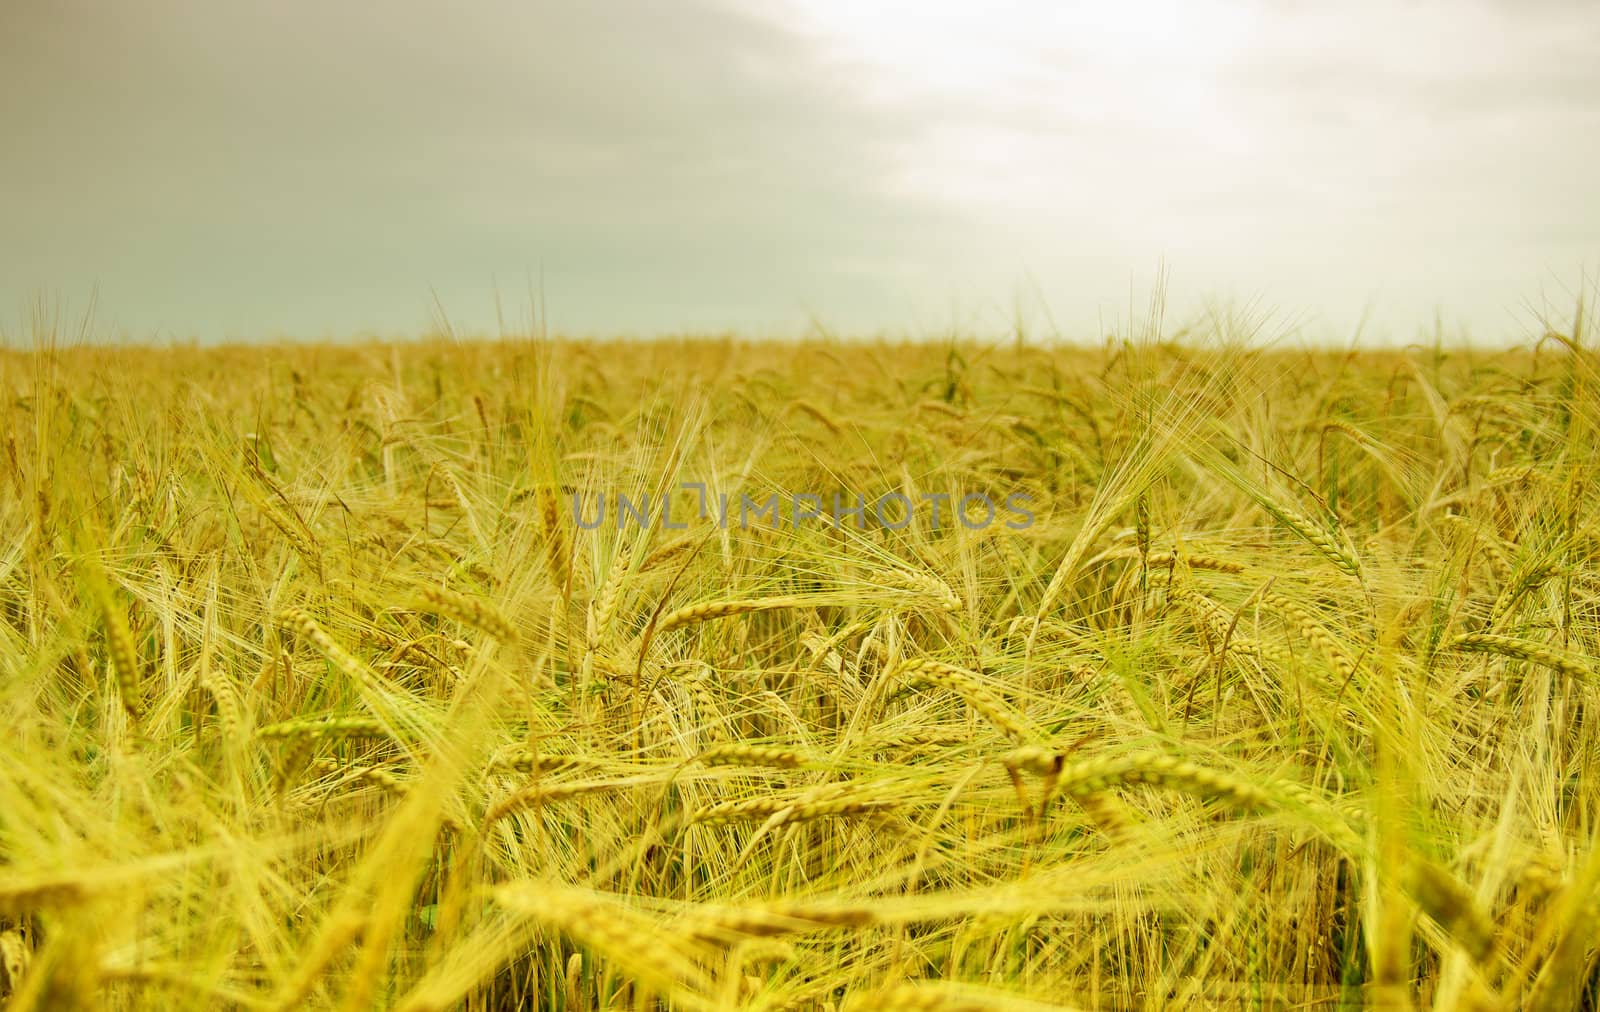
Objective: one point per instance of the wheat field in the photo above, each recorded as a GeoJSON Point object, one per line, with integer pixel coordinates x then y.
{"type": "Point", "coordinates": [324, 685]}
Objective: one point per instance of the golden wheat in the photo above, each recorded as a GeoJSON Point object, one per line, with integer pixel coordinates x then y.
{"type": "Point", "coordinates": [708, 610]}
{"type": "Point", "coordinates": [1523, 650]}
{"type": "Point", "coordinates": [469, 611]}
{"type": "Point", "coordinates": [968, 686]}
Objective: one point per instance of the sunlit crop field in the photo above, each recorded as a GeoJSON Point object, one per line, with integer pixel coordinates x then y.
{"type": "Point", "coordinates": [721, 675]}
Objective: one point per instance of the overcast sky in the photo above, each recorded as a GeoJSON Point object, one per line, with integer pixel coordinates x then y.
{"type": "Point", "coordinates": [310, 168]}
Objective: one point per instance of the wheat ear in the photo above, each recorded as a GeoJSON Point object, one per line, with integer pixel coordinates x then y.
{"type": "Point", "coordinates": [708, 610]}
{"type": "Point", "coordinates": [741, 754]}
{"type": "Point", "coordinates": [336, 726]}
{"type": "Point", "coordinates": [1524, 650]}
{"type": "Point", "coordinates": [306, 626]}
{"type": "Point", "coordinates": [469, 611]}
{"type": "Point", "coordinates": [970, 688]}
{"type": "Point", "coordinates": [124, 660]}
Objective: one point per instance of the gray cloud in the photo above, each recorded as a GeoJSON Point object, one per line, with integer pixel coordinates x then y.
{"type": "Point", "coordinates": [667, 165]}
{"type": "Point", "coordinates": [239, 168]}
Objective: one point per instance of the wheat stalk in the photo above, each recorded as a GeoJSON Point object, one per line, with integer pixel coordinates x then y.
{"type": "Point", "coordinates": [929, 586]}
{"type": "Point", "coordinates": [470, 611]}
{"type": "Point", "coordinates": [230, 710]}
{"type": "Point", "coordinates": [604, 606]}
{"type": "Point", "coordinates": [307, 628]}
{"type": "Point", "coordinates": [1315, 634]}
{"type": "Point", "coordinates": [626, 937]}
{"type": "Point", "coordinates": [332, 726]}
{"type": "Point", "coordinates": [1523, 650]}
{"type": "Point", "coordinates": [970, 688]}
{"type": "Point", "coordinates": [525, 760]}
{"type": "Point", "coordinates": [539, 794]}
{"type": "Point", "coordinates": [770, 920]}
{"type": "Point", "coordinates": [742, 754]}
{"type": "Point", "coordinates": [709, 610]}
{"type": "Point", "coordinates": [124, 660]}
{"type": "Point", "coordinates": [665, 553]}
{"type": "Point", "coordinates": [1317, 537]}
